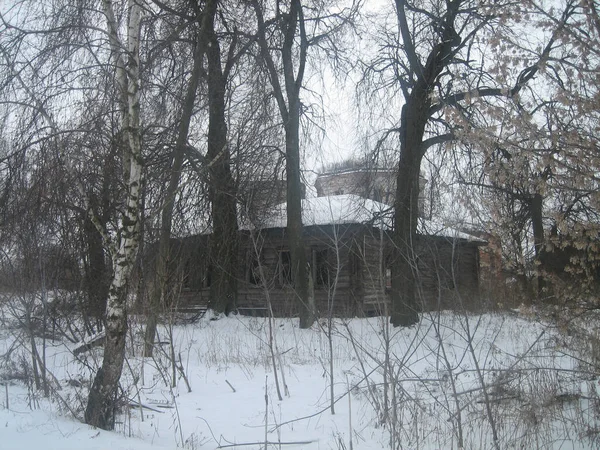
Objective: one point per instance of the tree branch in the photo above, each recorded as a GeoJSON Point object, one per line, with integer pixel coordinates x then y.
{"type": "Point", "coordinates": [268, 60]}
{"type": "Point", "coordinates": [409, 47]}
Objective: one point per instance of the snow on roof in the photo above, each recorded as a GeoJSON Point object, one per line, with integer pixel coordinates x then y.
{"type": "Point", "coordinates": [367, 170]}
{"type": "Point", "coordinates": [433, 228]}
{"type": "Point", "coordinates": [350, 208]}
{"type": "Point", "coordinates": [372, 171]}
{"type": "Point", "coordinates": [334, 209]}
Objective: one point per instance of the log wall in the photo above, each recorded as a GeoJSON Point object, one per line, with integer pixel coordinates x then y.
{"type": "Point", "coordinates": [350, 268]}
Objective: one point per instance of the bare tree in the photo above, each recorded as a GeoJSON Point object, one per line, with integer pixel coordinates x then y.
{"type": "Point", "coordinates": [430, 61]}
{"type": "Point", "coordinates": [100, 410]}
{"type": "Point", "coordinates": [284, 47]}
{"type": "Point", "coordinates": [533, 158]}
{"type": "Point", "coordinates": [222, 188]}
{"type": "Point", "coordinates": [288, 24]}
{"type": "Point", "coordinates": [203, 19]}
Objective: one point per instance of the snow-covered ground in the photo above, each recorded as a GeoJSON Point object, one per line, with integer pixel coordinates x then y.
{"type": "Point", "coordinates": [452, 378]}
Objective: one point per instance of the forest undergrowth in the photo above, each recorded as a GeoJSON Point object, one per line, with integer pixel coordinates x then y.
{"type": "Point", "coordinates": [512, 379]}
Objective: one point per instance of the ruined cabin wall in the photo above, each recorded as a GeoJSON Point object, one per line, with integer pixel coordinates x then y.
{"type": "Point", "coordinates": [338, 289]}
{"type": "Point", "coordinates": [448, 272]}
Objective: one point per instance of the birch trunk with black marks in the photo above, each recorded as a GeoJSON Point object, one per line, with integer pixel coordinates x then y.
{"type": "Point", "coordinates": [103, 396]}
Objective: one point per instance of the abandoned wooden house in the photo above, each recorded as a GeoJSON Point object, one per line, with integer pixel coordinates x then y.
{"type": "Point", "coordinates": [349, 248]}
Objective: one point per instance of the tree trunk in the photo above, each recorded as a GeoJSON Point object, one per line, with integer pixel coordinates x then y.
{"type": "Point", "coordinates": [405, 305]}
{"type": "Point", "coordinates": [103, 398]}
{"type": "Point", "coordinates": [97, 273]}
{"type": "Point", "coordinates": [416, 113]}
{"type": "Point", "coordinates": [300, 265]}
{"type": "Point", "coordinates": [536, 208]}
{"type": "Point", "coordinates": [289, 109]}
{"type": "Point", "coordinates": [162, 275]}
{"type": "Point", "coordinates": [223, 245]}
{"type": "Point", "coordinates": [101, 406]}
{"type": "Point", "coordinates": [295, 238]}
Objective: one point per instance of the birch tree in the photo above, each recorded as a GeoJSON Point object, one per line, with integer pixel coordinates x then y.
{"type": "Point", "coordinates": [124, 51]}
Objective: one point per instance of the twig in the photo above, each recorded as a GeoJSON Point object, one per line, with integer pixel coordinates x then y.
{"type": "Point", "coordinates": [185, 378]}
{"type": "Point", "coordinates": [136, 388]}
{"type": "Point", "coordinates": [310, 416]}
{"type": "Point", "coordinates": [349, 413]}
{"type": "Point", "coordinates": [232, 388]}
{"type": "Point", "coordinates": [245, 444]}
{"type": "Point", "coordinates": [141, 405]}
{"type": "Point", "coordinates": [267, 413]}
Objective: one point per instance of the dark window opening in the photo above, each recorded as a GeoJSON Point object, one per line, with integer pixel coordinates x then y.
{"type": "Point", "coordinates": [186, 279]}
{"type": "Point", "coordinates": [322, 267]}
{"type": "Point", "coordinates": [196, 275]}
{"type": "Point", "coordinates": [206, 278]}
{"type": "Point", "coordinates": [253, 269]}
{"type": "Point", "coordinates": [354, 268]}
{"type": "Point", "coordinates": [285, 267]}
{"type": "Point", "coordinates": [387, 271]}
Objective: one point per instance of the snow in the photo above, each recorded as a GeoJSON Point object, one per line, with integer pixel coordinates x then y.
{"type": "Point", "coordinates": [542, 394]}
{"type": "Point", "coordinates": [353, 209]}
{"type": "Point", "coordinates": [335, 209]}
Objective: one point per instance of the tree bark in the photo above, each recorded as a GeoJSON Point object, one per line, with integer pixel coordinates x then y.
{"type": "Point", "coordinates": [223, 245]}
{"type": "Point", "coordinates": [103, 397]}
{"type": "Point", "coordinates": [405, 307]}
{"type": "Point", "coordinates": [295, 237]}
{"type": "Point", "coordinates": [96, 273]}
{"type": "Point", "coordinates": [102, 400]}
{"type": "Point", "coordinates": [536, 208]}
